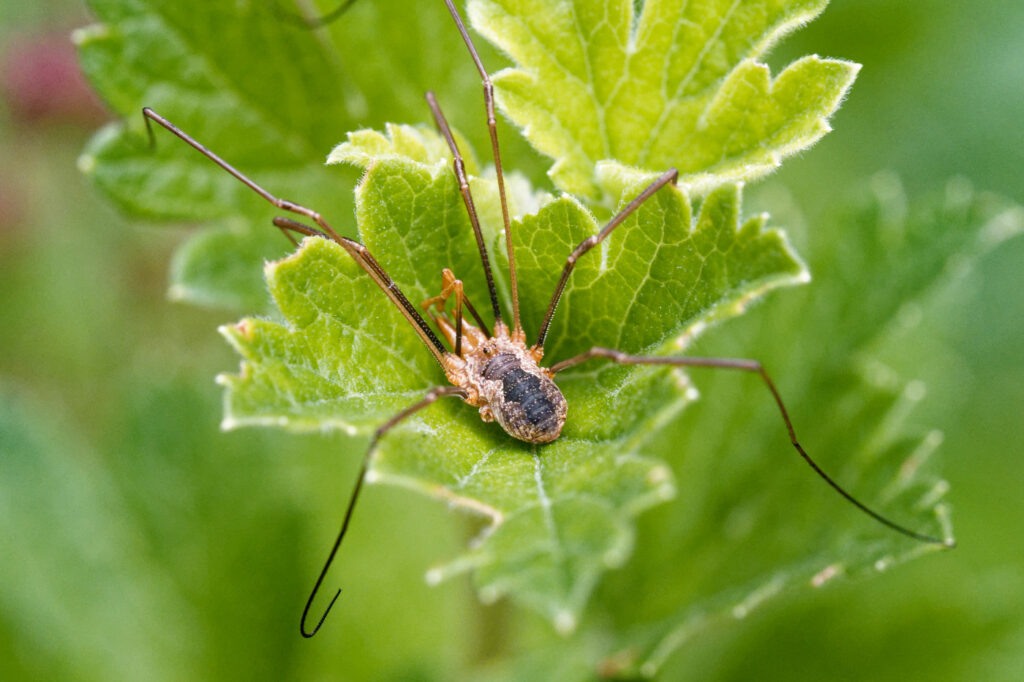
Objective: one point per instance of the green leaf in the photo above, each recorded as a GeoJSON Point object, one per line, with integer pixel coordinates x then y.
{"type": "Point", "coordinates": [557, 516]}
{"type": "Point", "coordinates": [655, 276]}
{"type": "Point", "coordinates": [214, 268]}
{"type": "Point", "coordinates": [677, 85]}
{"type": "Point", "coordinates": [420, 144]}
{"type": "Point", "coordinates": [885, 467]}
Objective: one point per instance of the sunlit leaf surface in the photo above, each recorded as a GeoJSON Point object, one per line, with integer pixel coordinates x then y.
{"type": "Point", "coordinates": [558, 515]}
{"type": "Point", "coordinates": [673, 84]}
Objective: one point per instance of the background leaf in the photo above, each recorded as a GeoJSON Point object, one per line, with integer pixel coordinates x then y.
{"type": "Point", "coordinates": [81, 529]}
{"type": "Point", "coordinates": [196, 70]}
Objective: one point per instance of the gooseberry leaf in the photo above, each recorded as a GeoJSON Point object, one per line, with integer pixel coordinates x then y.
{"type": "Point", "coordinates": [673, 84]}
{"type": "Point", "coordinates": [559, 515]}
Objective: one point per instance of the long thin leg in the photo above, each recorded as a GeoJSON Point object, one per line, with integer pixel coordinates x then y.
{"type": "Point", "coordinates": [282, 204]}
{"type": "Point", "coordinates": [358, 252]}
{"type": "Point", "coordinates": [459, 298]}
{"type": "Point", "coordinates": [492, 127]}
{"type": "Point", "coordinates": [433, 395]}
{"type": "Point", "coordinates": [365, 259]}
{"type": "Point", "coordinates": [460, 173]}
{"type": "Point", "coordinates": [755, 367]}
{"type": "Point", "coordinates": [671, 175]}
{"type": "Point", "coordinates": [288, 226]}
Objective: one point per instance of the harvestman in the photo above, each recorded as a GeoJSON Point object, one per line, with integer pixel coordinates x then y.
{"type": "Point", "coordinates": [494, 369]}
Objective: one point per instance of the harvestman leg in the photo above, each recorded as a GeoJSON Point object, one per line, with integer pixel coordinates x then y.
{"type": "Point", "coordinates": [449, 287]}
{"type": "Point", "coordinates": [432, 396]}
{"type": "Point", "coordinates": [448, 276]}
{"type": "Point", "coordinates": [492, 127]}
{"type": "Point", "coordinates": [754, 367]}
{"type": "Point", "coordinates": [467, 197]}
{"type": "Point", "coordinates": [357, 251]}
{"type": "Point", "coordinates": [287, 226]}
{"type": "Point", "coordinates": [669, 176]}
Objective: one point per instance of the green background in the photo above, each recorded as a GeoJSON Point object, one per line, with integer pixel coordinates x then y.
{"type": "Point", "coordinates": [139, 541]}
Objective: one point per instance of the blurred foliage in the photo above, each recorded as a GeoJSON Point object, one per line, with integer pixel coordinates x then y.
{"type": "Point", "coordinates": [141, 542]}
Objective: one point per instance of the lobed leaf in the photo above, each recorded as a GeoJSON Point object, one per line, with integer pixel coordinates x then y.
{"type": "Point", "coordinates": [749, 534]}
{"type": "Point", "coordinates": [419, 144]}
{"type": "Point", "coordinates": [612, 97]}
{"type": "Point", "coordinates": [557, 516]}
{"type": "Point", "coordinates": [678, 85]}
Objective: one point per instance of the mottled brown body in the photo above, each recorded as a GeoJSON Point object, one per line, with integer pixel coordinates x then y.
{"type": "Point", "coordinates": [502, 377]}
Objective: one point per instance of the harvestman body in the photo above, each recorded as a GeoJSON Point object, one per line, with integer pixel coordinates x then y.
{"type": "Point", "coordinates": [494, 369]}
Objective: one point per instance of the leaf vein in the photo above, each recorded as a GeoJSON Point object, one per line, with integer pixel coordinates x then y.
{"type": "Point", "coordinates": [670, 101]}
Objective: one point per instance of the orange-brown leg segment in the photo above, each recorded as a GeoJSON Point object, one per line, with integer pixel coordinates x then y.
{"type": "Point", "coordinates": [450, 286]}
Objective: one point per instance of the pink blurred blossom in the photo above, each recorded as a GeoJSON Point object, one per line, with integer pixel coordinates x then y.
{"type": "Point", "coordinates": [41, 82]}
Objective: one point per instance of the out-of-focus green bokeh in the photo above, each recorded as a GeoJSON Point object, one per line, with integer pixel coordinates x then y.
{"type": "Point", "coordinates": [139, 541]}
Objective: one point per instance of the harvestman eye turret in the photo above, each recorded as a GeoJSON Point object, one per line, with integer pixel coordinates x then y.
{"type": "Point", "coordinates": [493, 369]}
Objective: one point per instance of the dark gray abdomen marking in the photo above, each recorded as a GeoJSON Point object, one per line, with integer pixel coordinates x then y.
{"type": "Point", "coordinates": [525, 397]}
{"type": "Point", "coordinates": [524, 389]}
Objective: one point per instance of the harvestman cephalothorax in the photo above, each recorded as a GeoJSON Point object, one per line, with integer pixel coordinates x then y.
{"type": "Point", "coordinates": [494, 369]}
